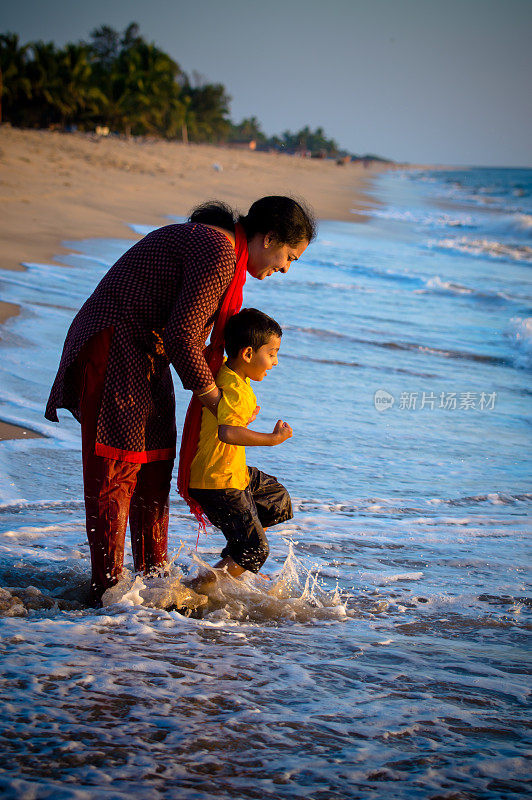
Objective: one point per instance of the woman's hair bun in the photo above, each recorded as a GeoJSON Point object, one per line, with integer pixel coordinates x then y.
{"type": "Point", "coordinates": [214, 212]}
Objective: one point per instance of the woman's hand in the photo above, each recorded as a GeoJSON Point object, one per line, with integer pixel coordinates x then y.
{"type": "Point", "coordinates": [210, 398]}
{"type": "Point", "coordinates": [254, 416]}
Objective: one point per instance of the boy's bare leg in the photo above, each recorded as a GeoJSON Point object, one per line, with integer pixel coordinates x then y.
{"type": "Point", "coordinates": [230, 566]}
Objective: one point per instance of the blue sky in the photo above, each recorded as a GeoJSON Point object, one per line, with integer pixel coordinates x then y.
{"type": "Point", "coordinates": [425, 81]}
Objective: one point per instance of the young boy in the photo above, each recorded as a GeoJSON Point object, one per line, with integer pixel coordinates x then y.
{"type": "Point", "coordinates": [240, 500]}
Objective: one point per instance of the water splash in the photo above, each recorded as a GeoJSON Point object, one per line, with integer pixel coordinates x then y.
{"type": "Point", "coordinates": [292, 593]}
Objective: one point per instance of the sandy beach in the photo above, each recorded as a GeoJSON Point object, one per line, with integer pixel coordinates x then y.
{"type": "Point", "coordinates": [57, 187]}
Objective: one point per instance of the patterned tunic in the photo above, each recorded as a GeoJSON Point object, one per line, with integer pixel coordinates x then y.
{"type": "Point", "coordinates": [161, 298]}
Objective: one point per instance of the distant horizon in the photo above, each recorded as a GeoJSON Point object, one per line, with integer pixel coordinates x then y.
{"type": "Point", "coordinates": [439, 83]}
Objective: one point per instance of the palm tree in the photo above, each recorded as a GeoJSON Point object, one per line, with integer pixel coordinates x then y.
{"type": "Point", "coordinates": [75, 94]}
{"type": "Point", "coordinates": [247, 130]}
{"type": "Point", "coordinates": [209, 107]}
{"type": "Point", "coordinates": [105, 45]}
{"type": "Point", "coordinates": [160, 75]}
{"type": "Point", "coordinates": [43, 73]}
{"type": "Point", "coordinates": [15, 85]}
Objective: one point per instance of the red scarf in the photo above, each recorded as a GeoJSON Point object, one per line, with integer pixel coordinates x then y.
{"type": "Point", "coordinates": [214, 354]}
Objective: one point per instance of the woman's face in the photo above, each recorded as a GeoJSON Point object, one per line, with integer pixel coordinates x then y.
{"type": "Point", "coordinates": [267, 256]}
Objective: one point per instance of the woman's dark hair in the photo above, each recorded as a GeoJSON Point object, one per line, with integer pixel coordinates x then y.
{"type": "Point", "coordinates": [249, 328]}
{"type": "Point", "coordinates": [214, 212]}
{"type": "Point", "coordinates": [289, 220]}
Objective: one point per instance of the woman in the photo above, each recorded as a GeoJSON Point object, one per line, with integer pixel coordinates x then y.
{"type": "Point", "coordinates": [154, 307]}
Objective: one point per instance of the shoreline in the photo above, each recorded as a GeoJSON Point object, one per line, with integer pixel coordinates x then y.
{"type": "Point", "coordinates": [69, 186]}
{"type": "Point", "coordinates": [57, 187]}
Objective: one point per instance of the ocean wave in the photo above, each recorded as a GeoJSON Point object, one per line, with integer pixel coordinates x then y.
{"type": "Point", "coordinates": [519, 332]}
{"type": "Point", "coordinates": [417, 283]}
{"type": "Point", "coordinates": [486, 247]}
{"type": "Point", "coordinates": [357, 364]}
{"type": "Point", "coordinates": [436, 284]}
{"type": "Point", "coordinates": [343, 287]}
{"type": "Point", "coordinates": [466, 355]}
{"type": "Point", "coordinates": [384, 579]}
{"type": "Point", "coordinates": [494, 498]}
{"type": "Point", "coordinates": [493, 188]}
{"type": "Point", "coordinates": [523, 221]}
{"type": "Point", "coordinates": [16, 506]}
{"type": "Point", "coordinates": [390, 506]}
{"type": "Point", "coordinates": [365, 269]}
{"type": "Point", "coordinates": [425, 218]}
{"type": "Point", "coordinates": [426, 285]}
{"type": "Point", "coordinates": [333, 361]}
{"type": "Point", "coordinates": [514, 223]}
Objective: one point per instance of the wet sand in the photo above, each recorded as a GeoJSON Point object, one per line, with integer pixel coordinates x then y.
{"type": "Point", "coordinates": [8, 431]}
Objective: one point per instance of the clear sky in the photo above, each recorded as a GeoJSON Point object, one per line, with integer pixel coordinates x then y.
{"type": "Point", "coordinates": [426, 81]}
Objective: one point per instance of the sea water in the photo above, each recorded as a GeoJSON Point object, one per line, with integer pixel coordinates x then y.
{"type": "Point", "coordinates": [386, 656]}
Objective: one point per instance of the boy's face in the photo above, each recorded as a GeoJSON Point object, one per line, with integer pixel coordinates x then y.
{"type": "Point", "coordinates": [257, 363]}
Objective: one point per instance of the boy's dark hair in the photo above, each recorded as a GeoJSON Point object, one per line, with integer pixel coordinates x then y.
{"type": "Point", "coordinates": [249, 328]}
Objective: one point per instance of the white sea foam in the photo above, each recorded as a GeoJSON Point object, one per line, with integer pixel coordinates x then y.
{"type": "Point", "coordinates": [143, 230]}
{"type": "Point", "coordinates": [456, 288]}
{"type": "Point", "coordinates": [523, 221]}
{"type": "Point", "coordinates": [486, 247]}
{"type": "Point", "coordinates": [427, 219]}
{"type": "Point", "coordinates": [294, 592]}
{"type": "Point", "coordinates": [385, 579]}
{"type": "Point", "coordinates": [439, 285]}
{"type": "Point", "coordinates": [519, 332]}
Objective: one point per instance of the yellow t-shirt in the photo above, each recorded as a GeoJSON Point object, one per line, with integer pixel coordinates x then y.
{"type": "Point", "coordinates": [217, 465]}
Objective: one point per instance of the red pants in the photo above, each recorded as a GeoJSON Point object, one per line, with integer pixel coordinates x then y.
{"type": "Point", "coordinates": [116, 489]}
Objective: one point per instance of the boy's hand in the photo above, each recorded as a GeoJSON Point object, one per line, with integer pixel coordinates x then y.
{"type": "Point", "coordinates": [254, 415]}
{"type": "Point", "coordinates": [282, 431]}
{"type": "Point", "coordinates": [243, 436]}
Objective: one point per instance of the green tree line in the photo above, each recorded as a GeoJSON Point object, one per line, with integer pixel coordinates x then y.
{"type": "Point", "coordinates": [121, 81]}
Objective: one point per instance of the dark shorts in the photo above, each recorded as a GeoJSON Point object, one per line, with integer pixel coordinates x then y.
{"type": "Point", "coordinates": [243, 514]}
